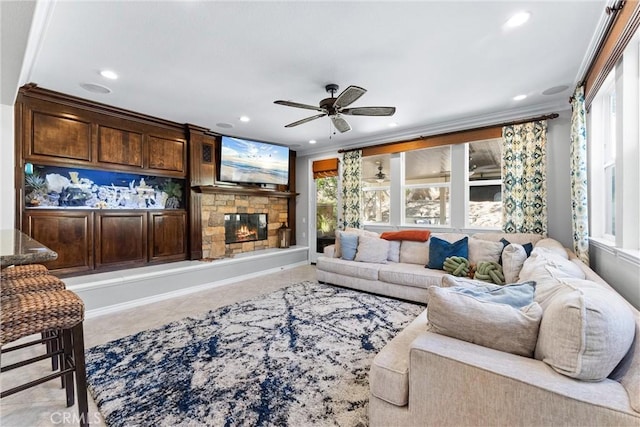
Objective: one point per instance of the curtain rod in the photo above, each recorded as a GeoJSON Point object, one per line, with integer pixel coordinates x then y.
{"type": "Point", "coordinates": [517, 122]}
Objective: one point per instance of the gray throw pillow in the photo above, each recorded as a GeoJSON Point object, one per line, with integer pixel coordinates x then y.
{"type": "Point", "coordinates": [372, 249]}
{"type": "Point", "coordinates": [489, 324]}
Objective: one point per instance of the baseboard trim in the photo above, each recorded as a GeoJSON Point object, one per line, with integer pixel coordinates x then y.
{"type": "Point", "coordinates": [185, 291]}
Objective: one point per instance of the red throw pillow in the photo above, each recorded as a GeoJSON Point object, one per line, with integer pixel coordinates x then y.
{"type": "Point", "coordinates": [414, 235]}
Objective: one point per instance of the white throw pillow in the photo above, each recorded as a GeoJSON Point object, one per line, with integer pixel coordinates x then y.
{"type": "Point", "coordinates": [394, 251]}
{"type": "Point", "coordinates": [489, 324]}
{"type": "Point", "coordinates": [484, 250]}
{"type": "Point", "coordinates": [513, 258]}
{"type": "Point", "coordinates": [372, 249]}
{"type": "Point", "coordinates": [585, 331]}
{"type": "Point", "coordinates": [414, 252]}
{"type": "Point", "coordinates": [337, 253]}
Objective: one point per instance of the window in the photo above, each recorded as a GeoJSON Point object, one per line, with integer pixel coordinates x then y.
{"type": "Point", "coordinates": [427, 186]}
{"type": "Point", "coordinates": [613, 178]}
{"type": "Point", "coordinates": [485, 184]}
{"type": "Point", "coordinates": [376, 189]}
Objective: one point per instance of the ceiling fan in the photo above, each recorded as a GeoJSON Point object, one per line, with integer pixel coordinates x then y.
{"type": "Point", "coordinates": [335, 107]}
{"type": "Point", "coordinates": [379, 176]}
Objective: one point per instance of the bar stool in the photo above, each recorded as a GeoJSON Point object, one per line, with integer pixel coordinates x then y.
{"type": "Point", "coordinates": [23, 271]}
{"type": "Point", "coordinates": [32, 278]}
{"type": "Point", "coordinates": [36, 312]}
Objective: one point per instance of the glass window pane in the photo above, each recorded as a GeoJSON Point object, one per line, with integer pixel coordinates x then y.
{"type": "Point", "coordinates": [375, 205]}
{"type": "Point", "coordinates": [610, 200]}
{"type": "Point", "coordinates": [326, 211]}
{"type": "Point", "coordinates": [428, 166]}
{"type": "Point", "coordinates": [427, 205]}
{"type": "Point", "coordinates": [485, 160]}
{"type": "Point", "coordinates": [485, 206]}
{"type": "Point", "coordinates": [375, 170]}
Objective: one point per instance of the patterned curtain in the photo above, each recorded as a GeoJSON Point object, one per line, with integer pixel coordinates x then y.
{"type": "Point", "coordinates": [351, 191]}
{"type": "Point", "coordinates": [578, 153]}
{"type": "Point", "coordinates": [524, 194]}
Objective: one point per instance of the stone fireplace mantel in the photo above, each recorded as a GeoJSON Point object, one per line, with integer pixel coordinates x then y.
{"type": "Point", "coordinates": [263, 192]}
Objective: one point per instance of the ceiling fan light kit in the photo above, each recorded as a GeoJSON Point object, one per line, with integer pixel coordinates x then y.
{"type": "Point", "coordinates": [335, 107]}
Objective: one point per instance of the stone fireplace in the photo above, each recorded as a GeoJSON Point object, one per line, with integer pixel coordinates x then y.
{"type": "Point", "coordinates": [217, 206]}
{"type": "Point", "coordinates": [244, 227]}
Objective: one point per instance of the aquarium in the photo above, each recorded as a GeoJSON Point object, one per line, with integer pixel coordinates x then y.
{"type": "Point", "coordinates": [51, 186]}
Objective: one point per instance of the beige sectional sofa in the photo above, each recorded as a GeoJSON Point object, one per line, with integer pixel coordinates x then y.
{"type": "Point", "coordinates": [576, 377]}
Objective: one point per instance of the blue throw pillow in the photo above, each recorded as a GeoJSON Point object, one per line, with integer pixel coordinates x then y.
{"type": "Point", "coordinates": [516, 295]}
{"type": "Point", "coordinates": [440, 249]}
{"type": "Point", "coordinates": [348, 245]}
{"type": "Point", "coordinates": [528, 247]}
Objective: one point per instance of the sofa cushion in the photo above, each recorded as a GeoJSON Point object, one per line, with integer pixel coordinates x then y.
{"type": "Point", "coordinates": [528, 247]}
{"type": "Point", "coordinates": [394, 251]}
{"type": "Point", "coordinates": [484, 250]}
{"type": "Point", "coordinates": [389, 373]}
{"type": "Point", "coordinates": [513, 258]}
{"type": "Point", "coordinates": [414, 252]}
{"type": "Point", "coordinates": [410, 275]}
{"type": "Point", "coordinates": [483, 322]}
{"type": "Point", "coordinates": [362, 270]}
{"type": "Point", "coordinates": [585, 331]}
{"type": "Point", "coordinates": [348, 245]}
{"type": "Point", "coordinates": [413, 235]}
{"type": "Point", "coordinates": [440, 249]}
{"type": "Point", "coordinates": [372, 249]}
{"type": "Point", "coordinates": [542, 260]}
{"type": "Point", "coordinates": [554, 246]}
{"type": "Point", "coordinates": [519, 238]}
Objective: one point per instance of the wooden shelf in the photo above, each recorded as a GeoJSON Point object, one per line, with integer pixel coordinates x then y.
{"type": "Point", "coordinates": [263, 192]}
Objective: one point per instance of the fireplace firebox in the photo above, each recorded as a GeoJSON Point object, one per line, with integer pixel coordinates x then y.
{"type": "Point", "coordinates": [242, 227]}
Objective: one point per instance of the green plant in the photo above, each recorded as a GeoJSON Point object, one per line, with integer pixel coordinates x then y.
{"type": "Point", "coordinates": [36, 183]}
{"type": "Point", "coordinates": [172, 188]}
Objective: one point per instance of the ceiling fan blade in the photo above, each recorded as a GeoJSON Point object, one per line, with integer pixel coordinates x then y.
{"type": "Point", "coordinates": [369, 111]}
{"type": "Point", "coordinates": [349, 96]}
{"type": "Point", "coordinates": [340, 124]}
{"type": "Point", "coordinates": [308, 119]}
{"type": "Point", "coordinates": [298, 105]}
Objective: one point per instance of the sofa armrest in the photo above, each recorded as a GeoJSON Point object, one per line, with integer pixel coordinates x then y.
{"type": "Point", "coordinates": [453, 382]}
{"type": "Point", "coordinates": [329, 251]}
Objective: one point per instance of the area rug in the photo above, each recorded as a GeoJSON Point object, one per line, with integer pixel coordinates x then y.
{"type": "Point", "coordinates": [299, 356]}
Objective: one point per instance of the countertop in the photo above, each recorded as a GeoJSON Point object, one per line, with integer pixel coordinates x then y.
{"type": "Point", "coordinates": [17, 248]}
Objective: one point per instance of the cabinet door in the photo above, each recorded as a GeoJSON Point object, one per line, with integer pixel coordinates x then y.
{"type": "Point", "coordinates": [121, 239]}
{"type": "Point", "coordinates": [56, 135]}
{"type": "Point", "coordinates": [120, 147]}
{"type": "Point", "coordinates": [70, 234]}
{"type": "Point", "coordinates": [167, 235]}
{"type": "Point", "coordinates": [167, 155]}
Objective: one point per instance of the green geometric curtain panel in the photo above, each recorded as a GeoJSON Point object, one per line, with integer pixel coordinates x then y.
{"type": "Point", "coordinates": [578, 155]}
{"type": "Point", "coordinates": [524, 193]}
{"type": "Point", "coordinates": [351, 194]}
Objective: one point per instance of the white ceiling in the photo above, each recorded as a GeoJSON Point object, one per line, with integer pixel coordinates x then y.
{"type": "Point", "coordinates": [444, 65]}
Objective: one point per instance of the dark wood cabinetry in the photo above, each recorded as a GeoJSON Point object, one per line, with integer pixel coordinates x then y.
{"type": "Point", "coordinates": [121, 239]}
{"type": "Point", "coordinates": [69, 233]}
{"type": "Point", "coordinates": [119, 147]}
{"type": "Point", "coordinates": [167, 235]}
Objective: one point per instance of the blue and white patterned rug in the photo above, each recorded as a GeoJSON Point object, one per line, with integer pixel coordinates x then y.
{"type": "Point", "coordinates": [296, 357]}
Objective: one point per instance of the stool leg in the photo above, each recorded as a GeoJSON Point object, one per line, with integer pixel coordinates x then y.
{"type": "Point", "coordinates": [68, 363]}
{"type": "Point", "coordinates": [81, 374]}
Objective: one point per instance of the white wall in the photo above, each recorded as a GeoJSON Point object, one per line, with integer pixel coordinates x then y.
{"type": "Point", "coordinates": [7, 192]}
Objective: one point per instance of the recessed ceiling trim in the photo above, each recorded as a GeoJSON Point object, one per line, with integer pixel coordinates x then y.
{"type": "Point", "coordinates": [39, 26]}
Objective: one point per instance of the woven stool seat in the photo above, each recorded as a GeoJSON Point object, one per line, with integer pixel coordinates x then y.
{"type": "Point", "coordinates": [30, 313]}
{"type": "Point", "coordinates": [21, 271]}
{"type": "Point", "coordinates": [22, 285]}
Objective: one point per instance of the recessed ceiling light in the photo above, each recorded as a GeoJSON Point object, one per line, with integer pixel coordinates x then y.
{"type": "Point", "coordinates": [244, 119]}
{"type": "Point", "coordinates": [312, 141]}
{"type": "Point", "coordinates": [519, 97]}
{"type": "Point", "coordinates": [518, 19]}
{"type": "Point", "coordinates": [108, 74]}
{"type": "Point", "coordinates": [392, 125]}
{"type": "Point", "coordinates": [95, 88]}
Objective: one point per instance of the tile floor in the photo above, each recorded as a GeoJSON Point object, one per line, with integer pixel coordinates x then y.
{"type": "Point", "coordinates": [44, 405]}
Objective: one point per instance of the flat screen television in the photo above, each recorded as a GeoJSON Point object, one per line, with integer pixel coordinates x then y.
{"type": "Point", "coordinates": [254, 162]}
